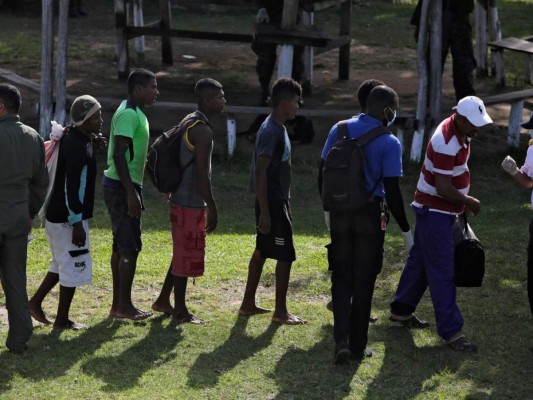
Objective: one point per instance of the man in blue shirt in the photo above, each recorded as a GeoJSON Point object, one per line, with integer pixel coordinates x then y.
{"type": "Point", "coordinates": [357, 237]}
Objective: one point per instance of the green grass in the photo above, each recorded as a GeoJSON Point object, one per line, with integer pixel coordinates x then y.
{"type": "Point", "coordinates": [237, 358]}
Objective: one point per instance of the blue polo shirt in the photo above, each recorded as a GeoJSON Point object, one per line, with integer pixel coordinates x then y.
{"type": "Point", "coordinates": [383, 155]}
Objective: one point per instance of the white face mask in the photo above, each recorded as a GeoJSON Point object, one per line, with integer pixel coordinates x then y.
{"type": "Point", "coordinates": [391, 121]}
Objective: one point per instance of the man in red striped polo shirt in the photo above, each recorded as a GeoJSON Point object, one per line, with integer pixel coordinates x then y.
{"type": "Point", "coordinates": [441, 194]}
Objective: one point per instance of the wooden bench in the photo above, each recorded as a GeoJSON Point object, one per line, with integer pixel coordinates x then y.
{"type": "Point", "coordinates": [524, 46]}
{"type": "Point", "coordinates": [516, 99]}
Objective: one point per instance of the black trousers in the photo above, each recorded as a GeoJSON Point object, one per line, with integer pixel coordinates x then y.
{"type": "Point", "coordinates": [530, 267]}
{"type": "Point", "coordinates": [356, 256]}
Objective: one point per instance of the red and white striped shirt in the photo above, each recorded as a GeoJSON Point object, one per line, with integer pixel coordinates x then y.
{"type": "Point", "coordinates": [446, 154]}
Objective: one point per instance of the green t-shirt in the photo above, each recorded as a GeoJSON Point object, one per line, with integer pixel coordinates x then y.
{"type": "Point", "coordinates": [129, 121]}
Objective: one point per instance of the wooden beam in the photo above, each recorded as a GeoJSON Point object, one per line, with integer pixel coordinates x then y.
{"type": "Point", "coordinates": [510, 97]}
{"type": "Point", "coordinates": [154, 30]}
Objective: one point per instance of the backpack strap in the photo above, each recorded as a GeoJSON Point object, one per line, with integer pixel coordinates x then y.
{"type": "Point", "coordinates": [372, 134]}
{"type": "Point", "coordinates": [342, 129]}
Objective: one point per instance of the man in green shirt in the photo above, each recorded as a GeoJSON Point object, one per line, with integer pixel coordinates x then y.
{"type": "Point", "coordinates": [23, 184]}
{"type": "Point", "coordinates": [128, 146]}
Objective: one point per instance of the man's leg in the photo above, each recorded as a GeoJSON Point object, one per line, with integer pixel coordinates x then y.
{"type": "Point", "coordinates": [115, 259]}
{"type": "Point", "coordinates": [281, 315]}
{"type": "Point", "coordinates": [255, 269]}
{"type": "Point", "coordinates": [126, 271]}
{"type": "Point", "coordinates": [65, 300]}
{"type": "Point", "coordinates": [50, 280]}
{"type": "Point", "coordinates": [181, 313]}
{"type": "Point", "coordinates": [463, 59]}
{"type": "Point", "coordinates": [162, 303]}
{"type": "Point", "coordinates": [13, 257]}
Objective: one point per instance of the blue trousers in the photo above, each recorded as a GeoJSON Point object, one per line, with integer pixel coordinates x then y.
{"type": "Point", "coordinates": [431, 263]}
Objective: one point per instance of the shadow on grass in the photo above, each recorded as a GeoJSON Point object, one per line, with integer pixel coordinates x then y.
{"type": "Point", "coordinates": [46, 357]}
{"type": "Point", "coordinates": [323, 379]}
{"type": "Point", "coordinates": [238, 347]}
{"type": "Point", "coordinates": [404, 362]}
{"type": "Point", "coordinates": [122, 371]}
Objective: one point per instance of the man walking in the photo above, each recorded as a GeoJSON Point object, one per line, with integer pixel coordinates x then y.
{"type": "Point", "coordinates": [126, 157]}
{"type": "Point", "coordinates": [270, 180]}
{"type": "Point", "coordinates": [23, 184]}
{"type": "Point", "coordinates": [441, 194]}
{"type": "Point", "coordinates": [193, 211]}
{"type": "Point", "coordinates": [357, 237]}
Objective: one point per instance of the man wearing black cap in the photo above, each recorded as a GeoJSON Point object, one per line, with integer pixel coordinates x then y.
{"type": "Point", "coordinates": [524, 177]}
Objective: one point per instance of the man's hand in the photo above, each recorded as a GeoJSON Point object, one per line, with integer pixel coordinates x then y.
{"type": "Point", "coordinates": [262, 16]}
{"type": "Point", "coordinates": [407, 240]}
{"type": "Point", "coordinates": [473, 206]}
{"type": "Point", "coordinates": [101, 141]}
{"type": "Point", "coordinates": [212, 220]}
{"type": "Point", "coordinates": [78, 235]}
{"type": "Point", "coordinates": [509, 166]}
{"type": "Point", "coordinates": [265, 223]}
{"type": "Point", "coordinates": [134, 204]}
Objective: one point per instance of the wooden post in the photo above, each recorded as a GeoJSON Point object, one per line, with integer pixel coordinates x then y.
{"type": "Point", "coordinates": [345, 29]}
{"type": "Point", "coordinates": [420, 123]}
{"type": "Point", "coordinates": [308, 20]}
{"type": "Point", "coordinates": [138, 20]}
{"type": "Point", "coordinates": [515, 117]}
{"type": "Point", "coordinates": [435, 37]}
{"type": "Point", "coordinates": [60, 115]}
{"type": "Point", "coordinates": [47, 51]}
{"type": "Point", "coordinates": [494, 30]}
{"type": "Point", "coordinates": [122, 40]}
{"type": "Point", "coordinates": [286, 53]}
{"type": "Point", "coordinates": [480, 49]}
{"type": "Point", "coordinates": [166, 44]}
{"type": "Point", "coordinates": [232, 135]}
{"type": "Point", "coordinates": [497, 58]}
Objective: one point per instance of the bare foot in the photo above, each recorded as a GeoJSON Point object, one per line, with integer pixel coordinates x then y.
{"type": "Point", "coordinates": [70, 325]}
{"type": "Point", "coordinates": [288, 319]}
{"type": "Point", "coordinates": [135, 314]}
{"type": "Point", "coordinates": [38, 315]}
{"type": "Point", "coordinates": [246, 312]}
{"type": "Point", "coordinates": [188, 318]}
{"type": "Point", "coordinates": [163, 308]}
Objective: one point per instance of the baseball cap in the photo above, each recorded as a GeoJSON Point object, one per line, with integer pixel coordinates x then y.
{"type": "Point", "coordinates": [528, 124]}
{"type": "Point", "coordinates": [83, 108]}
{"type": "Point", "coordinates": [473, 109]}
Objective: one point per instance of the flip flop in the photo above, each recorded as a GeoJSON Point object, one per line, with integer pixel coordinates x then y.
{"type": "Point", "coordinates": [189, 318]}
{"type": "Point", "coordinates": [289, 321]}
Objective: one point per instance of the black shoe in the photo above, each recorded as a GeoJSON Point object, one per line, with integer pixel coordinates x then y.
{"type": "Point", "coordinates": [412, 322]}
{"type": "Point", "coordinates": [19, 350]}
{"type": "Point", "coordinates": [342, 354]}
{"type": "Point", "coordinates": [463, 344]}
{"type": "Point", "coordinates": [360, 355]}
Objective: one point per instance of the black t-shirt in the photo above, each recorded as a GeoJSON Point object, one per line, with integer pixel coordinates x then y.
{"type": "Point", "coordinates": [73, 192]}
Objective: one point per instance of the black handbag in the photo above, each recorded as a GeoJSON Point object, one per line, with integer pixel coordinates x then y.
{"type": "Point", "coordinates": [469, 255]}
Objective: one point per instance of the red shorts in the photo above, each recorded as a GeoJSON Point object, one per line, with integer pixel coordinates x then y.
{"type": "Point", "coordinates": [188, 238]}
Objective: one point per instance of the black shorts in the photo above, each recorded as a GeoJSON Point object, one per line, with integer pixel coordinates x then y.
{"type": "Point", "coordinates": [126, 230]}
{"type": "Point", "coordinates": [277, 244]}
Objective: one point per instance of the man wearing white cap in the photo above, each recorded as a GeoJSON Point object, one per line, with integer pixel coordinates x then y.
{"type": "Point", "coordinates": [441, 194]}
{"type": "Point", "coordinates": [68, 211]}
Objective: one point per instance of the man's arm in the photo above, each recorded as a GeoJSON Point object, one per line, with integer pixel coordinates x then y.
{"type": "Point", "coordinates": [122, 144]}
{"type": "Point", "coordinates": [38, 183]}
{"type": "Point", "coordinates": [261, 166]}
{"type": "Point", "coordinates": [447, 191]}
{"type": "Point", "coordinates": [394, 197]}
{"type": "Point", "coordinates": [201, 137]}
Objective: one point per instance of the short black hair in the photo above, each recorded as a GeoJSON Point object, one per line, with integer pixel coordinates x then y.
{"type": "Point", "coordinates": [204, 88]}
{"type": "Point", "coordinates": [380, 98]}
{"type": "Point", "coordinates": [364, 90]}
{"type": "Point", "coordinates": [139, 77]}
{"type": "Point", "coordinates": [10, 98]}
{"type": "Point", "coordinates": [285, 89]}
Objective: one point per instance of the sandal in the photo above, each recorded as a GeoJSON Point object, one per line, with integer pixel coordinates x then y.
{"type": "Point", "coordinates": [463, 344]}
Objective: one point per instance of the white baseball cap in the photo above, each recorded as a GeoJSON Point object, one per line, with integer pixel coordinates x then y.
{"type": "Point", "coordinates": [473, 109]}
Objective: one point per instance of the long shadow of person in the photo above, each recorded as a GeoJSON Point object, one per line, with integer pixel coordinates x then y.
{"type": "Point", "coordinates": [238, 347]}
{"type": "Point", "coordinates": [408, 370]}
{"type": "Point", "coordinates": [157, 346]}
{"type": "Point", "coordinates": [304, 374]}
{"type": "Point", "coordinates": [46, 353]}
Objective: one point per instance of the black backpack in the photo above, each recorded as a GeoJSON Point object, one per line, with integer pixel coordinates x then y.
{"type": "Point", "coordinates": [343, 184]}
{"type": "Point", "coordinates": [163, 161]}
